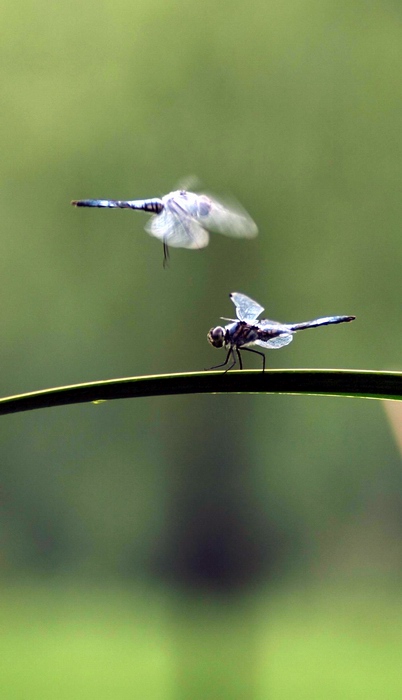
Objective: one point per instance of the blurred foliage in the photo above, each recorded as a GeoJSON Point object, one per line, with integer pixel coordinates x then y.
{"type": "Point", "coordinates": [295, 109]}
{"type": "Point", "coordinates": [83, 642]}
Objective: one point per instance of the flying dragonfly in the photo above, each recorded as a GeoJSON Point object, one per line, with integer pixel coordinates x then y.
{"type": "Point", "coordinates": [248, 330]}
{"type": "Point", "coordinates": [183, 219]}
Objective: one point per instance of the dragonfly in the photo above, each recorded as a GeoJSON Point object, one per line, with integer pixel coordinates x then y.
{"type": "Point", "coordinates": [184, 219]}
{"type": "Point", "coordinates": [249, 330]}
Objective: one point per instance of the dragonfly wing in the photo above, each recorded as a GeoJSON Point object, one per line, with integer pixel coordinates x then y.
{"type": "Point", "coordinates": [274, 343]}
{"type": "Point", "coordinates": [177, 230]}
{"type": "Point", "coordinates": [230, 219]}
{"type": "Point", "coordinates": [246, 309]}
{"type": "Point", "coordinates": [189, 182]}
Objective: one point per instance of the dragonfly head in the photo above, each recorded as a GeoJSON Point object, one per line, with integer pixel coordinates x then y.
{"type": "Point", "coordinates": [216, 337]}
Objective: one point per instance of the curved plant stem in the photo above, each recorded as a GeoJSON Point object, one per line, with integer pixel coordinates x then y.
{"type": "Point", "coordinates": [328, 382]}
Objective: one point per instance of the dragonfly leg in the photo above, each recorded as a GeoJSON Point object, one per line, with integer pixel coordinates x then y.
{"type": "Point", "coordinates": [166, 254]}
{"type": "Point", "coordinates": [234, 361]}
{"type": "Point", "coordinates": [230, 352]}
{"type": "Point", "coordinates": [239, 358]}
{"type": "Point", "coordinates": [257, 352]}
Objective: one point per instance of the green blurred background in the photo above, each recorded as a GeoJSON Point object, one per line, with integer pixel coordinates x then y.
{"type": "Point", "coordinates": [199, 546]}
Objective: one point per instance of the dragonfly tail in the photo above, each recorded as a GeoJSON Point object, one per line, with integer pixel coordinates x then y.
{"type": "Point", "coordinates": [153, 206]}
{"type": "Point", "coordinates": [328, 320]}
{"type": "Point", "coordinates": [109, 203]}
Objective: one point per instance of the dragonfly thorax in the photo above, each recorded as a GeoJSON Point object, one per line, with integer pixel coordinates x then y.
{"type": "Point", "coordinates": [240, 334]}
{"type": "Point", "coordinates": [195, 205]}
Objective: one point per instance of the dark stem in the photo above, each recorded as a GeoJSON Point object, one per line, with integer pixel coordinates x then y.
{"type": "Point", "coordinates": [353, 383]}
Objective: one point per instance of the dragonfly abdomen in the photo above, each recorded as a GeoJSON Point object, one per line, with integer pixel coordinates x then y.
{"type": "Point", "coordinates": [326, 321]}
{"type": "Point", "coordinates": [154, 206]}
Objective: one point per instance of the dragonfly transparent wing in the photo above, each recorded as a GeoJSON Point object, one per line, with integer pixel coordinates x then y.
{"type": "Point", "coordinates": [246, 309]}
{"type": "Point", "coordinates": [177, 229]}
{"type": "Point", "coordinates": [274, 343]}
{"type": "Point", "coordinates": [229, 219]}
{"type": "Point", "coordinates": [188, 183]}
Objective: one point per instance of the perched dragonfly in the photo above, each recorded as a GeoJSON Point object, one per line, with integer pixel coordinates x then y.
{"type": "Point", "coordinates": [248, 330]}
{"type": "Point", "coordinates": [183, 219]}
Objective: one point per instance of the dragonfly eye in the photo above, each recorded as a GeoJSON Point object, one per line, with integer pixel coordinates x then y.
{"type": "Point", "coordinates": [216, 336]}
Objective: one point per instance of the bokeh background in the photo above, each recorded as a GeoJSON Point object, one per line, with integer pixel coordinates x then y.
{"type": "Point", "coordinates": [199, 546]}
